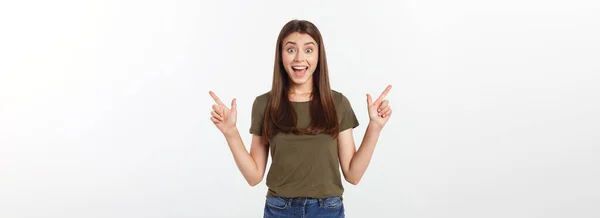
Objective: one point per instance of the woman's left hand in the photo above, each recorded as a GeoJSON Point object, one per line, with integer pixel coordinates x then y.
{"type": "Point", "coordinates": [380, 110]}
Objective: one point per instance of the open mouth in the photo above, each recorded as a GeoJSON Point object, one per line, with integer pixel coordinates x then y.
{"type": "Point", "coordinates": [300, 71]}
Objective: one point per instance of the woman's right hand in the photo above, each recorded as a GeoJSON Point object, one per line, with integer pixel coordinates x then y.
{"type": "Point", "coordinates": [223, 117]}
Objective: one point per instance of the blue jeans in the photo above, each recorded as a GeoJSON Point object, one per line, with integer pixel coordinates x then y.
{"type": "Point", "coordinates": [280, 207]}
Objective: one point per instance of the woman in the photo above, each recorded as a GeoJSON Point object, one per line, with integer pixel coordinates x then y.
{"type": "Point", "coordinates": [308, 128]}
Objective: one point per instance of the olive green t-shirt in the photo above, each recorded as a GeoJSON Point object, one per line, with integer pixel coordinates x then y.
{"type": "Point", "coordinates": [304, 165]}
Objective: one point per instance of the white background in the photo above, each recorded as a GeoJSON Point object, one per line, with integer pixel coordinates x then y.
{"type": "Point", "coordinates": [104, 105]}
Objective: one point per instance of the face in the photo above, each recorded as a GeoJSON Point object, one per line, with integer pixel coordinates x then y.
{"type": "Point", "coordinates": [300, 56]}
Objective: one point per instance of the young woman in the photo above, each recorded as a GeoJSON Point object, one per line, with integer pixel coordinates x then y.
{"type": "Point", "coordinates": [308, 128]}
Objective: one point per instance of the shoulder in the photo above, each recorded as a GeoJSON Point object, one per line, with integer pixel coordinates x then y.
{"type": "Point", "coordinates": [260, 102]}
{"type": "Point", "coordinates": [263, 97]}
{"type": "Point", "coordinates": [339, 98]}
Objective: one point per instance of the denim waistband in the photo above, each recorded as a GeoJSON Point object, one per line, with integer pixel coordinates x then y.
{"type": "Point", "coordinates": [305, 200]}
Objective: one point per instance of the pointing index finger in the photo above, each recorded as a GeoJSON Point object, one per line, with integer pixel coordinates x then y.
{"type": "Point", "coordinates": [385, 92]}
{"type": "Point", "coordinates": [214, 96]}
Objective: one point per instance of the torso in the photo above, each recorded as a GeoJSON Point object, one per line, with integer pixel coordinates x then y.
{"type": "Point", "coordinates": [304, 165]}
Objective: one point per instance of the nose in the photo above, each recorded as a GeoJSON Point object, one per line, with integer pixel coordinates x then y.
{"type": "Point", "coordinates": [299, 57]}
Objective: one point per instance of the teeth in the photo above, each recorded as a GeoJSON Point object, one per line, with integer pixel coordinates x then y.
{"type": "Point", "coordinates": [299, 68]}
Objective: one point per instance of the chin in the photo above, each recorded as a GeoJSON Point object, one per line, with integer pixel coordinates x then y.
{"type": "Point", "coordinates": [301, 80]}
{"type": "Point", "coordinates": [298, 81]}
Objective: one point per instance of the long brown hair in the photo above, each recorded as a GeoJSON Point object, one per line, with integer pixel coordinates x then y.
{"type": "Point", "coordinates": [279, 113]}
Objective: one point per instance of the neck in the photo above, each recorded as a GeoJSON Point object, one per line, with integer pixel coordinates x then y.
{"type": "Point", "coordinates": [305, 88]}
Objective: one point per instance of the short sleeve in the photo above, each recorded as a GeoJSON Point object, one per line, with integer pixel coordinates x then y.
{"type": "Point", "coordinates": [348, 117]}
{"type": "Point", "coordinates": [256, 121]}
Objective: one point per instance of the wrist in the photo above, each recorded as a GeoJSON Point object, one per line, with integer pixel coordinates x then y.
{"type": "Point", "coordinates": [231, 133]}
{"type": "Point", "coordinates": [374, 127]}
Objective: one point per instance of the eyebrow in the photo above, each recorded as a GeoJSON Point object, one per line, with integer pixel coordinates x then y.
{"type": "Point", "coordinates": [294, 43]}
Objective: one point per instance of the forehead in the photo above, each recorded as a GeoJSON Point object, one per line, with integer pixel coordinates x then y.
{"type": "Point", "coordinates": [299, 38]}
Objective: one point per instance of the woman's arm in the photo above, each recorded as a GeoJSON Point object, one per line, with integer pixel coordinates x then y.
{"type": "Point", "coordinates": [354, 163]}
{"type": "Point", "coordinates": [252, 165]}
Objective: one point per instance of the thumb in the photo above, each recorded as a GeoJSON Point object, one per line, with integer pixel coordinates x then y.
{"type": "Point", "coordinates": [369, 100]}
{"type": "Point", "coordinates": [233, 104]}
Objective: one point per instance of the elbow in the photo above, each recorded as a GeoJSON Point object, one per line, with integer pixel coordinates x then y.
{"type": "Point", "coordinates": [253, 182]}
{"type": "Point", "coordinates": [253, 179]}
{"type": "Point", "coordinates": [353, 181]}
{"type": "Point", "coordinates": [351, 177]}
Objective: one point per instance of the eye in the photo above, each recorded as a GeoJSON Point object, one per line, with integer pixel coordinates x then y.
{"type": "Point", "coordinates": [308, 50]}
{"type": "Point", "coordinates": [291, 50]}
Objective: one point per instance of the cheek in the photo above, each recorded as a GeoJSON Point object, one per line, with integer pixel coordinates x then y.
{"type": "Point", "coordinates": [286, 59]}
{"type": "Point", "coordinates": [313, 60]}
